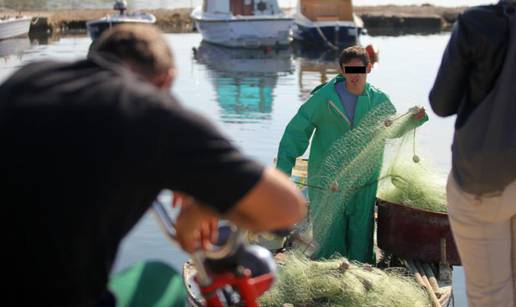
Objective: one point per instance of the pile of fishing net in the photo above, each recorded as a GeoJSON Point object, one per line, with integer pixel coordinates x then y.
{"type": "Point", "coordinates": [336, 282]}
{"type": "Point", "coordinates": [419, 185]}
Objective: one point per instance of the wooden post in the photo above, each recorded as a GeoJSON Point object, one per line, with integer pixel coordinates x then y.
{"type": "Point", "coordinates": [444, 266]}
{"type": "Point", "coordinates": [419, 278]}
{"type": "Point", "coordinates": [431, 277]}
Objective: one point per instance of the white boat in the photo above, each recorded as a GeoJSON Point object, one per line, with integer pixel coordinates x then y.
{"type": "Point", "coordinates": [326, 23]}
{"type": "Point", "coordinates": [97, 27]}
{"type": "Point", "coordinates": [243, 23]}
{"type": "Point", "coordinates": [14, 26]}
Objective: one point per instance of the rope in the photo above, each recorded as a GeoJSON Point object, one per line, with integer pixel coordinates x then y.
{"type": "Point", "coordinates": [332, 46]}
{"type": "Point", "coordinates": [389, 121]}
{"type": "Point", "coordinates": [415, 157]}
{"type": "Point", "coordinates": [414, 143]}
{"type": "Point", "coordinates": [310, 185]}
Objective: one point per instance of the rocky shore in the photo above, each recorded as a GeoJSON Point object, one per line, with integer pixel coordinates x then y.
{"type": "Point", "coordinates": [408, 19]}
{"type": "Point", "coordinates": [379, 20]}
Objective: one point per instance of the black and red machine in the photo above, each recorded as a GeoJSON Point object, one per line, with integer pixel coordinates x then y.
{"type": "Point", "coordinates": [232, 273]}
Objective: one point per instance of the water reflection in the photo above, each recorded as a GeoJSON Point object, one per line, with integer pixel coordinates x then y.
{"type": "Point", "coordinates": [13, 49]}
{"type": "Point", "coordinates": [315, 67]}
{"type": "Point", "coordinates": [244, 79]}
{"type": "Point", "coordinates": [47, 39]}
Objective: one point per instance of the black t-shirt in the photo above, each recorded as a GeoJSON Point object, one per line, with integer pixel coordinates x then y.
{"type": "Point", "coordinates": [86, 147]}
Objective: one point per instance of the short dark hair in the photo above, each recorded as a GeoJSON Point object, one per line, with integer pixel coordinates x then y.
{"type": "Point", "coordinates": [354, 52]}
{"type": "Point", "coordinates": [142, 46]}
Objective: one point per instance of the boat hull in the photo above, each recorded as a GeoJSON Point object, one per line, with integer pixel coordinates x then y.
{"type": "Point", "coordinates": [416, 234]}
{"type": "Point", "coordinates": [246, 32]}
{"type": "Point", "coordinates": [97, 27]}
{"type": "Point", "coordinates": [320, 34]}
{"type": "Point", "coordinates": [14, 27]}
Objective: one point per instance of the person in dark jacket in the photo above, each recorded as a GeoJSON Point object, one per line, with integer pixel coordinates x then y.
{"type": "Point", "coordinates": [86, 148]}
{"type": "Point", "coordinates": [483, 225]}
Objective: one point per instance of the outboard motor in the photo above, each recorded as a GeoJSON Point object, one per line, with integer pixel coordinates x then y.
{"type": "Point", "coordinates": [97, 27]}
{"type": "Point", "coordinates": [121, 6]}
{"type": "Point", "coordinates": [231, 272]}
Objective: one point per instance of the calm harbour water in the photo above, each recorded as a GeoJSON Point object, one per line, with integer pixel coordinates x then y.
{"type": "Point", "coordinates": [251, 95]}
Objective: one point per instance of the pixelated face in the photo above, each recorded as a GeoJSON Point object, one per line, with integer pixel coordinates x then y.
{"type": "Point", "coordinates": [355, 73]}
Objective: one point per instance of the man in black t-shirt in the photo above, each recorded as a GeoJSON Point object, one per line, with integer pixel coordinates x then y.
{"type": "Point", "coordinates": [87, 146]}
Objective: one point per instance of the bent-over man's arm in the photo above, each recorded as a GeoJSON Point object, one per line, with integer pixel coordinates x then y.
{"type": "Point", "coordinates": [274, 203]}
{"type": "Point", "coordinates": [191, 156]}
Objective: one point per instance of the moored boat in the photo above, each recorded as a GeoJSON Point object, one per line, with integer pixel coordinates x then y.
{"type": "Point", "coordinates": [97, 27]}
{"type": "Point", "coordinates": [242, 23]}
{"type": "Point", "coordinates": [328, 23]}
{"type": "Point", "coordinates": [14, 26]}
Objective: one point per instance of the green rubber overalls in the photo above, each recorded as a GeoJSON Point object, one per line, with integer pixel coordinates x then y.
{"type": "Point", "coordinates": [351, 231]}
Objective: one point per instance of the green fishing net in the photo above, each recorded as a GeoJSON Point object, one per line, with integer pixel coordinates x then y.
{"type": "Point", "coordinates": [419, 185]}
{"type": "Point", "coordinates": [354, 163]}
{"type": "Point", "coordinates": [381, 151]}
{"type": "Point", "coordinates": [336, 282]}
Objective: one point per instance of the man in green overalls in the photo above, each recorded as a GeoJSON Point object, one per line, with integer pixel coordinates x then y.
{"type": "Point", "coordinates": [334, 109]}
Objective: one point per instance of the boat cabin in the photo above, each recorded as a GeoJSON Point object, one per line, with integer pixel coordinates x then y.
{"type": "Point", "coordinates": [326, 10]}
{"type": "Point", "coordinates": [242, 7]}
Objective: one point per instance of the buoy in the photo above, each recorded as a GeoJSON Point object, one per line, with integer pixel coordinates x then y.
{"type": "Point", "coordinates": [344, 266]}
{"type": "Point", "coordinates": [373, 52]}
{"type": "Point", "coordinates": [388, 122]}
{"type": "Point", "coordinates": [334, 187]}
{"type": "Point", "coordinates": [415, 158]}
{"type": "Point", "coordinates": [368, 267]}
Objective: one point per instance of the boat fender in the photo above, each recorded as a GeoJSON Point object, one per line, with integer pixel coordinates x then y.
{"type": "Point", "coordinates": [373, 52]}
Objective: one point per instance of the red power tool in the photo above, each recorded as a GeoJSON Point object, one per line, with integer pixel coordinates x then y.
{"type": "Point", "coordinates": [231, 272]}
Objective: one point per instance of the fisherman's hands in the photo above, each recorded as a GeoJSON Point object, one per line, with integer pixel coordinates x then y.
{"type": "Point", "coordinates": [418, 113]}
{"type": "Point", "coordinates": [178, 198]}
{"type": "Point", "coordinates": [196, 225]}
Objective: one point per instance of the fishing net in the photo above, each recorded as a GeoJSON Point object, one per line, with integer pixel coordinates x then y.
{"type": "Point", "coordinates": [336, 282]}
{"type": "Point", "coordinates": [419, 185]}
{"type": "Point", "coordinates": [353, 165]}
